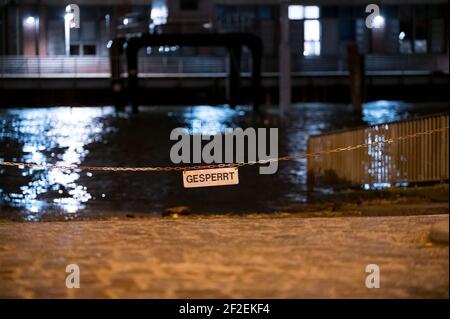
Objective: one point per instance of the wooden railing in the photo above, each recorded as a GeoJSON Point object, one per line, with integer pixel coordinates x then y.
{"type": "Point", "coordinates": [416, 159]}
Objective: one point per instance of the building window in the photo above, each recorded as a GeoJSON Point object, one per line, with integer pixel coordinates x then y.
{"type": "Point", "coordinates": [89, 50]}
{"type": "Point", "coordinates": [159, 13]}
{"type": "Point", "coordinates": [312, 12]}
{"type": "Point", "coordinates": [311, 27]}
{"type": "Point", "coordinates": [188, 5]}
{"type": "Point", "coordinates": [74, 49]}
{"type": "Point", "coordinates": [311, 44]}
{"type": "Point", "coordinates": [295, 12]}
{"type": "Point", "coordinates": [422, 29]}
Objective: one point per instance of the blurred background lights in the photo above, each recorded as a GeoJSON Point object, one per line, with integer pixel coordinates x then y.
{"type": "Point", "coordinates": [30, 20]}
{"type": "Point", "coordinates": [378, 22]}
{"type": "Point", "coordinates": [295, 12]}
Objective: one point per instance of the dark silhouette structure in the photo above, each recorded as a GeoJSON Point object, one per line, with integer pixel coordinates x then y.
{"type": "Point", "coordinates": [233, 42]}
{"type": "Point", "coordinates": [356, 66]}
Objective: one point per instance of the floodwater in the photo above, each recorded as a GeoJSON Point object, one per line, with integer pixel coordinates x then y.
{"type": "Point", "coordinates": [100, 136]}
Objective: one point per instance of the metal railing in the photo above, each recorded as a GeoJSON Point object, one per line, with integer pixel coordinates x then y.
{"type": "Point", "coordinates": [61, 66]}
{"type": "Point", "coordinates": [54, 66]}
{"type": "Point", "coordinates": [376, 63]}
{"type": "Point", "coordinates": [184, 65]}
{"type": "Point", "coordinates": [423, 158]}
{"type": "Point", "coordinates": [99, 66]}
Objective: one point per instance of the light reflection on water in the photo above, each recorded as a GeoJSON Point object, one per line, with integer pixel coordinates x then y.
{"type": "Point", "coordinates": [50, 136]}
{"type": "Point", "coordinates": [100, 136]}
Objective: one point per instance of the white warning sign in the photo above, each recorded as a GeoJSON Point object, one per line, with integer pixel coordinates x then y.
{"type": "Point", "coordinates": [211, 177]}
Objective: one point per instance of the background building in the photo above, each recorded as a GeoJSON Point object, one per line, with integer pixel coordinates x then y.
{"type": "Point", "coordinates": [322, 29]}
{"type": "Point", "coordinates": [410, 40]}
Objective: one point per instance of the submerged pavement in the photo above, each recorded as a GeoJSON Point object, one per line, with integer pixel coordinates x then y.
{"type": "Point", "coordinates": [247, 256]}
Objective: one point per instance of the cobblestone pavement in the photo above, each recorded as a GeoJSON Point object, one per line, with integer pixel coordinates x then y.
{"type": "Point", "coordinates": [257, 256]}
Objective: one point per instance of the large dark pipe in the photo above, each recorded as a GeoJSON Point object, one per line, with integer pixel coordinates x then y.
{"type": "Point", "coordinates": [234, 76]}
{"type": "Point", "coordinates": [117, 83]}
{"type": "Point", "coordinates": [356, 68]}
{"type": "Point", "coordinates": [233, 42]}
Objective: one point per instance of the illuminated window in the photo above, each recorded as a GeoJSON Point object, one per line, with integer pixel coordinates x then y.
{"type": "Point", "coordinates": [311, 44]}
{"type": "Point", "coordinates": [311, 26]}
{"type": "Point", "coordinates": [312, 12]}
{"type": "Point", "coordinates": [295, 12]}
{"type": "Point", "coordinates": [159, 13]}
{"type": "Point", "coordinates": [311, 35]}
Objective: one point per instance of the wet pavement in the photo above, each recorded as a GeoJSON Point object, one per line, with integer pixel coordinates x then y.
{"type": "Point", "coordinates": [251, 256]}
{"type": "Point", "coordinates": [100, 136]}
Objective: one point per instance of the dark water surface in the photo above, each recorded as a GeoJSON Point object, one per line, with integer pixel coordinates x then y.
{"type": "Point", "coordinates": [100, 136]}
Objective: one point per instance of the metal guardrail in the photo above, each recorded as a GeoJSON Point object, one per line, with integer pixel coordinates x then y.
{"type": "Point", "coordinates": [185, 65]}
{"type": "Point", "coordinates": [424, 158]}
{"type": "Point", "coordinates": [61, 66]}
{"type": "Point", "coordinates": [374, 63]}
{"type": "Point", "coordinates": [99, 66]}
{"type": "Point", "coordinates": [58, 66]}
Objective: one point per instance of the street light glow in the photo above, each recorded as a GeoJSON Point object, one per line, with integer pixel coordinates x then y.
{"type": "Point", "coordinates": [378, 22]}
{"type": "Point", "coordinates": [125, 21]}
{"type": "Point", "coordinates": [30, 21]}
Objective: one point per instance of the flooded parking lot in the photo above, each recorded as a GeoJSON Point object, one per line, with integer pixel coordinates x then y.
{"type": "Point", "coordinates": [100, 136]}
